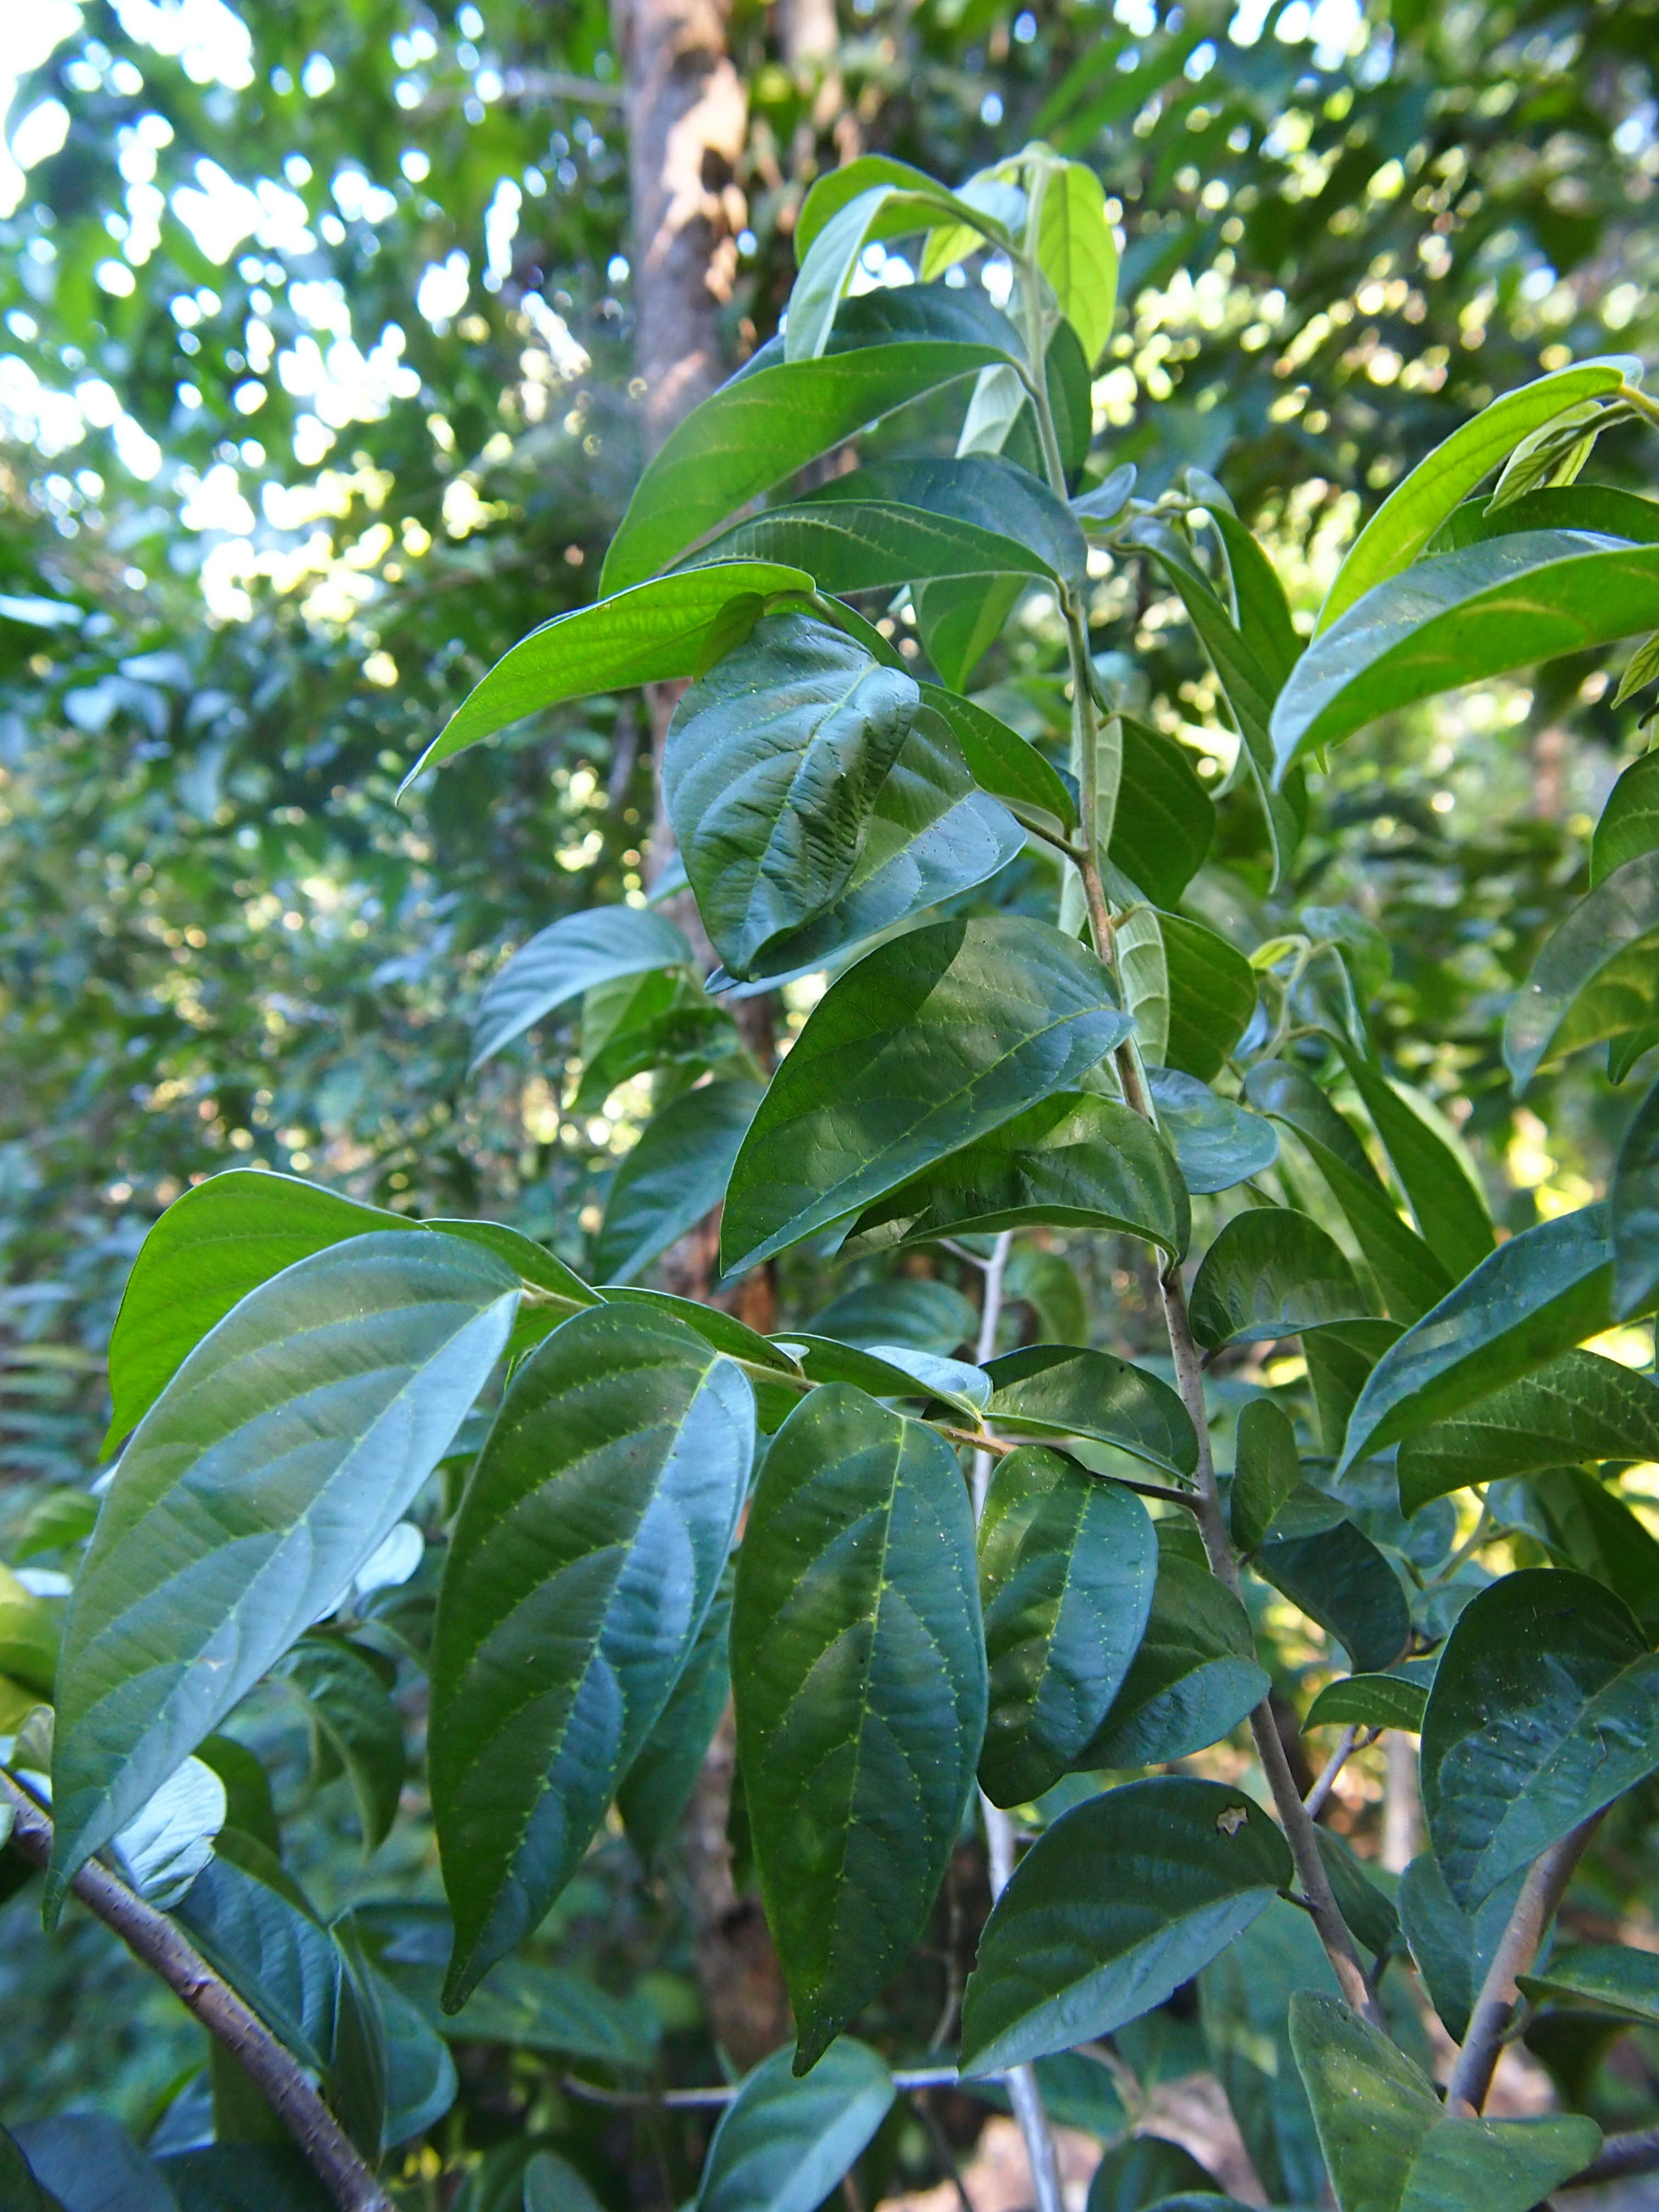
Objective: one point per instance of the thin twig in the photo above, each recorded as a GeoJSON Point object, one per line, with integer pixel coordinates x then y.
{"type": "Point", "coordinates": [1351, 1740]}
{"type": "Point", "coordinates": [907, 2081]}
{"type": "Point", "coordinates": [1493, 2013]}
{"type": "Point", "coordinates": [158, 1943]}
{"type": "Point", "coordinates": [1618, 2157]}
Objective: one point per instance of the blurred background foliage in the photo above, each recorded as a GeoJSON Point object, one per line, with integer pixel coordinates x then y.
{"type": "Point", "coordinates": [315, 394]}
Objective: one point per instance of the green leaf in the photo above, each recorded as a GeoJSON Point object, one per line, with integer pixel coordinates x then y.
{"type": "Point", "coordinates": [1145, 2170]}
{"type": "Point", "coordinates": [1212, 992]}
{"type": "Point", "coordinates": [676, 1173]}
{"type": "Point", "coordinates": [906, 521]}
{"type": "Point", "coordinates": [1270, 1274]}
{"type": "Point", "coordinates": [657, 1788]}
{"type": "Point", "coordinates": [774, 415]}
{"type": "Point", "coordinates": [1414, 509]}
{"type": "Point", "coordinates": [31, 1629]}
{"type": "Point", "coordinates": [1445, 1194]}
{"type": "Point", "coordinates": [1458, 618]}
{"type": "Point", "coordinates": [857, 1667]}
{"type": "Point", "coordinates": [587, 1549]}
{"type": "Point", "coordinates": [1536, 1296]}
{"type": "Point", "coordinates": [349, 1706]}
{"type": "Point", "coordinates": [1452, 1949]}
{"type": "Point", "coordinates": [1001, 762]}
{"type": "Point", "coordinates": [19, 2190]}
{"type": "Point", "coordinates": [1066, 1959]}
{"type": "Point", "coordinates": [1390, 2144]}
{"type": "Point", "coordinates": [421, 2080]}
{"type": "Point", "coordinates": [1318, 1557]}
{"type": "Point", "coordinates": [1596, 977]}
{"type": "Point", "coordinates": [271, 1467]}
{"type": "Point", "coordinates": [1545, 1708]}
{"type": "Point", "coordinates": [1410, 1277]}
{"type": "Point", "coordinates": [912, 1310]}
{"type": "Point", "coordinates": [1065, 1390]}
{"type": "Point", "coordinates": [1195, 1676]}
{"type": "Point", "coordinates": [1077, 1160]}
{"type": "Point", "coordinates": [1047, 1282]}
{"type": "Point", "coordinates": [537, 2008]}
{"type": "Point", "coordinates": [783, 2144]}
{"type": "Point", "coordinates": [1340, 1360]}
{"type": "Point", "coordinates": [1216, 1143]}
{"type": "Point", "coordinates": [1066, 1567]}
{"type": "Point", "coordinates": [1579, 1407]}
{"type": "Point", "coordinates": [1610, 1976]}
{"type": "Point", "coordinates": [1267, 1472]}
{"type": "Point", "coordinates": [1601, 507]}
{"type": "Point", "coordinates": [837, 187]}
{"type": "Point", "coordinates": [888, 206]}
{"type": "Point", "coordinates": [962, 618]}
{"type": "Point", "coordinates": [651, 634]}
{"type": "Point", "coordinates": [931, 835]}
{"type": "Point", "coordinates": [578, 953]}
{"type": "Point", "coordinates": [1630, 820]}
{"type": "Point", "coordinates": [893, 1370]}
{"type": "Point", "coordinates": [1581, 1523]}
{"type": "Point", "coordinates": [772, 762]}
{"type": "Point", "coordinates": [1077, 251]}
{"type": "Point", "coordinates": [241, 2177]}
{"type": "Point", "coordinates": [1164, 821]}
{"type": "Point", "coordinates": [1633, 1214]}
{"type": "Point", "coordinates": [1264, 613]}
{"type": "Point", "coordinates": [551, 2183]}
{"type": "Point", "coordinates": [930, 1041]}
{"type": "Point", "coordinates": [1380, 1700]}
{"type": "Point", "coordinates": [1244, 1998]}
{"type": "Point", "coordinates": [87, 2162]}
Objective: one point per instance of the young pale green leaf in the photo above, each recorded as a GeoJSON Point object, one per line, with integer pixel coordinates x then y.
{"type": "Point", "coordinates": [1077, 251]}
{"type": "Point", "coordinates": [319, 1405]}
{"type": "Point", "coordinates": [588, 1547]}
{"type": "Point", "coordinates": [772, 762]}
{"type": "Point", "coordinates": [783, 2144]}
{"type": "Point", "coordinates": [31, 1629]}
{"type": "Point", "coordinates": [857, 1666]}
{"type": "Point", "coordinates": [775, 416]}
{"type": "Point", "coordinates": [1212, 992]}
{"type": "Point", "coordinates": [675, 1175]}
{"type": "Point", "coordinates": [1164, 823]}
{"type": "Point", "coordinates": [1066, 1568]}
{"type": "Point", "coordinates": [1064, 1390]}
{"type": "Point", "coordinates": [1390, 2143]}
{"type": "Point", "coordinates": [1316, 1556]}
{"type": "Point", "coordinates": [1534, 1298]}
{"type": "Point", "coordinates": [1217, 1143]}
{"type": "Point", "coordinates": [1001, 762]}
{"type": "Point", "coordinates": [1545, 1708]}
{"type": "Point", "coordinates": [1244, 1999]}
{"type": "Point", "coordinates": [1416, 506]}
{"type": "Point", "coordinates": [1380, 1700]}
{"type": "Point", "coordinates": [1458, 618]}
{"type": "Point", "coordinates": [1076, 1160]}
{"type": "Point", "coordinates": [652, 634]}
{"type": "Point", "coordinates": [1612, 1976]}
{"type": "Point", "coordinates": [577, 953]}
{"type": "Point", "coordinates": [350, 1708]}
{"type": "Point", "coordinates": [962, 618]}
{"type": "Point", "coordinates": [1195, 1676]}
{"type": "Point", "coordinates": [1452, 1949]}
{"type": "Point", "coordinates": [1067, 1958]}
{"type": "Point", "coordinates": [837, 188]}
{"type": "Point", "coordinates": [887, 207]}
{"type": "Point", "coordinates": [930, 1041]}
{"type": "Point", "coordinates": [1411, 1278]}
{"type": "Point", "coordinates": [1272, 1273]}
{"type": "Point", "coordinates": [1596, 977]}
{"type": "Point", "coordinates": [1630, 820]}
{"type": "Point", "coordinates": [656, 1789]}
{"type": "Point", "coordinates": [1440, 1182]}
{"type": "Point", "coordinates": [1267, 1471]}
{"type": "Point", "coordinates": [1633, 1214]}
{"type": "Point", "coordinates": [1579, 1407]}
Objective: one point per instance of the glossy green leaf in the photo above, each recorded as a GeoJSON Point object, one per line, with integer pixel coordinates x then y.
{"type": "Point", "coordinates": [1076, 1160]}
{"type": "Point", "coordinates": [930, 1041]}
{"type": "Point", "coordinates": [1145, 2170]}
{"type": "Point", "coordinates": [772, 762]}
{"type": "Point", "coordinates": [887, 206]}
{"type": "Point", "coordinates": [1409, 1275]}
{"type": "Point", "coordinates": [1537, 1295]}
{"type": "Point", "coordinates": [1267, 1471]}
{"type": "Point", "coordinates": [1316, 1556]}
{"type": "Point", "coordinates": [1264, 612]}
{"type": "Point", "coordinates": [1217, 1143]}
{"type": "Point", "coordinates": [577, 953]}
{"type": "Point", "coordinates": [1389, 2142]}
{"type": "Point", "coordinates": [588, 1547]}
{"type": "Point", "coordinates": [1001, 762]}
{"type": "Point", "coordinates": [1340, 1360]}
{"type": "Point", "coordinates": [1065, 1390]}
{"type": "Point", "coordinates": [1243, 1998]}
{"type": "Point", "coordinates": [676, 1173]}
{"type": "Point", "coordinates": [1452, 1949]}
{"type": "Point", "coordinates": [962, 618]}
{"type": "Point", "coordinates": [1164, 823]}
{"type": "Point", "coordinates": [857, 1666]}
{"type": "Point", "coordinates": [315, 1410]}
{"type": "Point", "coordinates": [782, 2144]}
{"type": "Point", "coordinates": [1545, 1708]}
{"type": "Point", "coordinates": [657, 1788]}
{"type": "Point", "coordinates": [1066, 1959]}
{"type": "Point", "coordinates": [1077, 251]}
{"type": "Point", "coordinates": [837, 187]}
{"type": "Point", "coordinates": [1213, 993]}
{"type": "Point", "coordinates": [1613, 1975]}
{"type": "Point", "coordinates": [1445, 1194]}
{"type": "Point", "coordinates": [1596, 977]}
{"type": "Point", "coordinates": [1633, 1214]}
{"type": "Point", "coordinates": [1598, 506]}
{"type": "Point", "coordinates": [1582, 1522]}
{"type": "Point", "coordinates": [1195, 1676]}
{"type": "Point", "coordinates": [1066, 1568]}
{"type": "Point", "coordinates": [913, 1309]}
{"type": "Point", "coordinates": [1414, 509]}
{"type": "Point", "coordinates": [775, 416]}
{"type": "Point", "coordinates": [1630, 820]}
{"type": "Point", "coordinates": [1458, 618]}
{"type": "Point", "coordinates": [351, 1710]}
{"type": "Point", "coordinates": [531, 2007]}
{"type": "Point", "coordinates": [893, 1370]}
{"type": "Point", "coordinates": [1578, 1406]}
{"type": "Point", "coordinates": [1380, 1700]}
{"type": "Point", "coordinates": [651, 634]}
{"type": "Point", "coordinates": [1270, 1274]}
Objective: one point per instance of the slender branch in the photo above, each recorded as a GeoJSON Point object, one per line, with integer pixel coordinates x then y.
{"type": "Point", "coordinates": [1618, 2157]}
{"type": "Point", "coordinates": [721, 2093]}
{"type": "Point", "coordinates": [158, 1943]}
{"type": "Point", "coordinates": [1493, 2014]}
{"type": "Point", "coordinates": [1315, 1800]}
